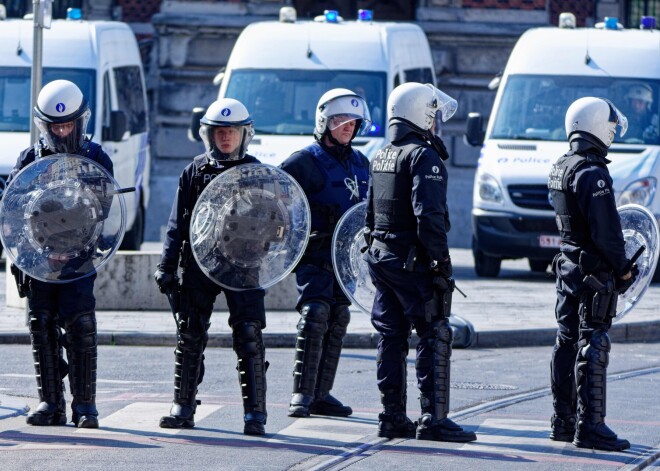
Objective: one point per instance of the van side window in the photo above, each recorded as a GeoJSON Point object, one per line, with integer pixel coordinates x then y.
{"type": "Point", "coordinates": [421, 75]}
{"type": "Point", "coordinates": [107, 97]}
{"type": "Point", "coordinates": [130, 97]}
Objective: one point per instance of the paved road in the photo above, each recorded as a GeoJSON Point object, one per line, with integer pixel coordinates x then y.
{"type": "Point", "coordinates": [502, 394]}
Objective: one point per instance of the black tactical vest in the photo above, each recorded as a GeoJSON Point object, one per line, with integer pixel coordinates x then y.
{"type": "Point", "coordinates": [392, 190]}
{"type": "Point", "coordinates": [573, 227]}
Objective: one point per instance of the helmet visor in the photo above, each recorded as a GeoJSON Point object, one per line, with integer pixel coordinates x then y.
{"type": "Point", "coordinates": [444, 104]}
{"type": "Point", "coordinates": [618, 118]}
{"type": "Point", "coordinates": [226, 142]}
{"type": "Point", "coordinates": [66, 137]}
{"type": "Point", "coordinates": [343, 109]}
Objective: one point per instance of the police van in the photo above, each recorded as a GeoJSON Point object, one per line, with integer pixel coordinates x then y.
{"type": "Point", "coordinates": [548, 69]}
{"type": "Point", "coordinates": [280, 69]}
{"type": "Point", "coordinates": [103, 59]}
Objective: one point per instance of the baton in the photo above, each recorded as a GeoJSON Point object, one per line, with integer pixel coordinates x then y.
{"type": "Point", "coordinates": [634, 258]}
{"type": "Point", "coordinates": [459, 290]}
{"type": "Point", "coordinates": [120, 191]}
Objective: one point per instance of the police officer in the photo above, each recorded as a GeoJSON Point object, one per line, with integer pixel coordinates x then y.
{"type": "Point", "coordinates": [591, 270]}
{"type": "Point", "coordinates": [62, 114]}
{"type": "Point", "coordinates": [643, 123]}
{"type": "Point", "coordinates": [407, 222]}
{"type": "Point", "coordinates": [333, 176]}
{"type": "Point", "coordinates": [226, 130]}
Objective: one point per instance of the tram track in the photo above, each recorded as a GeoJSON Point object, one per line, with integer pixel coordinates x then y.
{"type": "Point", "coordinates": [373, 445]}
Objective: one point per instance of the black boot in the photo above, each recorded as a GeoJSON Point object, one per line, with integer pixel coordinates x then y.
{"type": "Point", "coordinates": [47, 354]}
{"type": "Point", "coordinates": [309, 348]}
{"type": "Point", "coordinates": [324, 403]}
{"type": "Point", "coordinates": [81, 338]}
{"type": "Point", "coordinates": [564, 394]}
{"type": "Point", "coordinates": [562, 429]}
{"type": "Point", "coordinates": [186, 376]}
{"type": "Point", "coordinates": [393, 421]}
{"type": "Point", "coordinates": [591, 377]}
{"type": "Point", "coordinates": [192, 327]}
{"type": "Point", "coordinates": [249, 347]}
{"type": "Point", "coordinates": [434, 423]}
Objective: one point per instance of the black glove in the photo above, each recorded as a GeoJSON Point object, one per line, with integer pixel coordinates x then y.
{"type": "Point", "coordinates": [623, 285]}
{"type": "Point", "coordinates": [166, 279]}
{"type": "Point", "coordinates": [443, 268]}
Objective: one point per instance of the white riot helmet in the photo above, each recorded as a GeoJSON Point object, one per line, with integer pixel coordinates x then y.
{"type": "Point", "coordinates": [419, 104]}
{"type": "Point", "coordinates": [641, 92]}
{"type": "Point", "coordinates": [339, 106]}
{"type": "Point", "coordinates": [62, 114]}
{"type": "Point", "coordinates": [227, 113]}
{"type": "Point", "coordinates": [596, 116]}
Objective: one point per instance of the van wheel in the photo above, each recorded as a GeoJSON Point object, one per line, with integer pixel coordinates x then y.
{"type": "Point", "coordinates": [484, 265]}
{"type": "Point", "coordinates": [538, 266]}
{"type": "Point", "coordinates": [134, 237]}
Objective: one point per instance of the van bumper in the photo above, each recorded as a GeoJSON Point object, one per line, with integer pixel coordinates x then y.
{"type": "Point", "coordinates": [508, 236]}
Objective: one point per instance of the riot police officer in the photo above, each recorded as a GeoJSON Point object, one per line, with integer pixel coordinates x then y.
{"type": "Point", "coordinates": [591, 269]}
{"type": "Point", "coordinates": [407, 222]}
{"type": "Point", "coordinates": [226, 130]}
{"type": "Point", "coordinates": [333, 176]}
{"type": "Point", "coordinates": [62, 114]}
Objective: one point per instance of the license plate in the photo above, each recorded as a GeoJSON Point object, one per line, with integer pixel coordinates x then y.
{"type": "Point", "coordinates": [549, 241]}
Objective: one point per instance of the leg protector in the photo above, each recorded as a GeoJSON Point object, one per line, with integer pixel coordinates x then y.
{"type": "Point", "coordinates": [47, 354]}
{"type": "Point", "coordinates": [192, 336]}
{"type": "Point", "coordinates": [433, 358]}
{"type": "Point", "coordinates": [393, 421]}
{"type": "Point", "coordinates": [324, 403]}
{"type": "Point", "coordinates": [591, 377]}
{"type": "Point", "coordinates": [564, 393]}
{"type": "Point", "coordinates": [309, 348]}
{"type": "Point", "coordinates": [81, 338]}
{"type": "Point", "coordinates": [249, 347]}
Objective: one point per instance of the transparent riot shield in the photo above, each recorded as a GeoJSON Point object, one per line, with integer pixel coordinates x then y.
{"type": "Point", "coordinates": [250, 227]}
{"type": "Point", "coordinates": [62, 218]}
{"type": "Point", "coordinates": [352, 271]}
{"type": "Point", "coordinates": [640, 228]}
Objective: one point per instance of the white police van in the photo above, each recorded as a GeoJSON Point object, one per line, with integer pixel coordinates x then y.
{"type": "Point", "coordinates": [280, 69]}
{"type": "Point", "coordinates": [548, 69]}
{"type": "Point", "coordinates": [103, 59]}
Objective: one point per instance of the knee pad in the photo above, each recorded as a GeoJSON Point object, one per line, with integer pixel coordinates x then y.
{"type": "Point", "coordinates": [314, 317]}
{"type": "Point", "coordinates": [247, 340]}
{"type": "Point", "coordinates": [41, 321]}
{"type": "Point", "coordinates": [597, 351]}
{"type": "Point", "coordinates": [81, 331]}
{"type": "Point", "coordinates": [341, 315]}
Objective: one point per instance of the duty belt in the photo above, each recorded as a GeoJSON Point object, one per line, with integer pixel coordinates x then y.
{"type": "Point", "coordinates": [400, 250]}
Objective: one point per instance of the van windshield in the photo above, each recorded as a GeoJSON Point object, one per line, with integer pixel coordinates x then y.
{"type": "Point", "coordinates": [534, 106]}
{"type": "Point", "coordinates": [284, 101]}
{"type": "Point", "coordinates": [15, 113]}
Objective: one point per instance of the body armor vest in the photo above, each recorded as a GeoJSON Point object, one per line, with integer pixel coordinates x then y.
{"type": "Point", "coordinates": [573, 228]}
{"type": "Point", "coordinates": [343, 187]}
{"type": "Point", "coordinates": [392, 208]}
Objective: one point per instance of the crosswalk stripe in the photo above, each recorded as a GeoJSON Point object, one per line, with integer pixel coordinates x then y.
{"type": "Point", "coordinates": [144, 417]}
{"type": "Point", "coordinates": [345, 430]}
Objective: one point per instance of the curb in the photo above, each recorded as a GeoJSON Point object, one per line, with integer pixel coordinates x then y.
{"type": "Point", "coordinates": [11, 406]}
{"type": "Point", "coordinates": [619, 333]}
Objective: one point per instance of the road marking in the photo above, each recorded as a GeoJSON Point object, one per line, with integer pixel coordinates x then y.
{"type": "Point", "coordinates": [141, 417]}
{"type": "Point", "coordinates": [316, 430]}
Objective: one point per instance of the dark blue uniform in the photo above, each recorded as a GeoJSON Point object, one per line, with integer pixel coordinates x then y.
{"type": "Point", "coordinates": [197, 295]}
{"type": "Point", "coordinates": [407, 219]}
{"type": "Point", "coordinates": [333, 179]}
{"type": "Point", "coordinates": [591, 244]}
{"type": "Point", "coordinates": [70, 306]}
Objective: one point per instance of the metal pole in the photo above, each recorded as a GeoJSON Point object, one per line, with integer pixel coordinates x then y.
{"type": "Point", "coordinates": [36, 78]}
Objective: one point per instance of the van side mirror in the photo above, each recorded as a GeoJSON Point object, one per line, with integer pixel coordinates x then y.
{"type": "Point", "coordinates": [117, 128]}
{"type": "Point", "coordinates": [474, 134]}
{"type": "Point", "coordinates": [193, 131]}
